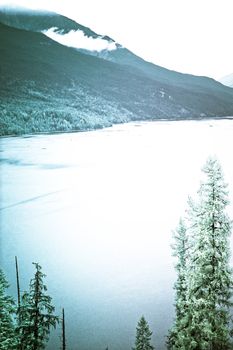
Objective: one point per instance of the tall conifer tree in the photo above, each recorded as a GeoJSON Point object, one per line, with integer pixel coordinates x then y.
{"type": "Point", "coordinates": [143, 336]}
{"type": "Point", "coordinates": [178, 336]}
{"type": "Point", "coordinates": [36, 314]}
{"type": "Point", "coordinates": [210, 287]}
{"type": "Point", "coordinates": [205, 322]}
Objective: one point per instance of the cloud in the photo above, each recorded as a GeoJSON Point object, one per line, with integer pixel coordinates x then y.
{"type": "Point", "coordinates": [79, 40]}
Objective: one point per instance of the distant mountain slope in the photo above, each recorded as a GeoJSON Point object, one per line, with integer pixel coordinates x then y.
{"type": "Point", "coordinates": [45, 86]}
{"type": "Point", "coordinates": [227, 80]}
{"type": "Point", "coordinates": [40, 21]}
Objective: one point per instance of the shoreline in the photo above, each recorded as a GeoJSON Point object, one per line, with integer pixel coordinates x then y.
{"type": "Point", "coordinates": [28, 135]}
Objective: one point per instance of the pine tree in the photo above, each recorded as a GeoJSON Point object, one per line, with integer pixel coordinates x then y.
{"type": "Point", "coordinates": [204, 283]}
{"type": "Point", "coordinates": [178, 337]}
{"type": "Point", "coordinates": [143, 336]}
{"type": "Point", "coordinates": [210, 286]}
{"type": "Point", "coordinates": [36, 314]}
{"type": "Point", "coordinates": [8, 340]}
{"type": "Point", "coordinates": [203, 305]}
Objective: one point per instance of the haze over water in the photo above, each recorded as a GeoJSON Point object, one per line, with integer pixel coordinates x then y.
{"type": "Point", "coordinates": [97, 210]}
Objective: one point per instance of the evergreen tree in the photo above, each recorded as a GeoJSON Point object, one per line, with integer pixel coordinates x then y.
{"type": "Point", "coordinates": [178, 337]}
{"type": "Point", "coordinates": [36, 314]}
{"type": "Point", "coordinates": [210, 286]}
{"type": "Point", "coordinates": [143, 336]}
{"type": "Point", "coordinates": [203, 305]}
{"type": "Point", "coordinates": [8, 340]}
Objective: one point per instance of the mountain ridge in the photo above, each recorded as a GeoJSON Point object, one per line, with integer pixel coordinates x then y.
{"type": "Point", "coordinates": [41, 21]}
{"type": "Point", "coordinates": [46, 86]}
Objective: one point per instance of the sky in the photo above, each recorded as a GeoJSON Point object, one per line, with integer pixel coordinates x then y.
{"type": "Point", "coordinates": [190, 36]}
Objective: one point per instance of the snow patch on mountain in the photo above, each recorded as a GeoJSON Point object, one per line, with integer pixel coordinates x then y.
{"type": "Point", "coordinates": [77, 39]}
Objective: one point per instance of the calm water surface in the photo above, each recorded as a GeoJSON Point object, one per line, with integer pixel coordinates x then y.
{"type": "Point", "coordinates": [97, 210]}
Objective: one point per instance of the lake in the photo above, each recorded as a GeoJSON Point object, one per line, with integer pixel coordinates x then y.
{"type": "Point", "coordinates": [97, 210]}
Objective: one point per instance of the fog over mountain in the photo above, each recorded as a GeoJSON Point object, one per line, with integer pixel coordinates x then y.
{"type": "Point", "coordinates": [57, 75]}
{"type": "Point", "coordinates": [227, 80]}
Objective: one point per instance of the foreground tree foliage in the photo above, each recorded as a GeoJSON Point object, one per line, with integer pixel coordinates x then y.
{"type": "Point", "coordinates": [8, 340]}
{"type": "Point", "coordinates": [180, 250]}
{"type": "Point", "coordinates": [143, 336]}
{"type": "Point", "coordinates": [205, 320]}
{"type": "Point", "coordinates": [36, 314]}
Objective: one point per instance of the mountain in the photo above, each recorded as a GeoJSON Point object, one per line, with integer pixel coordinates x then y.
{"type": "Point", "coordinates": [41, 21]}
{"type": "Point", "coordinates": [46, 86]}
{"type": "Point", "coordinates": [227, 80]}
